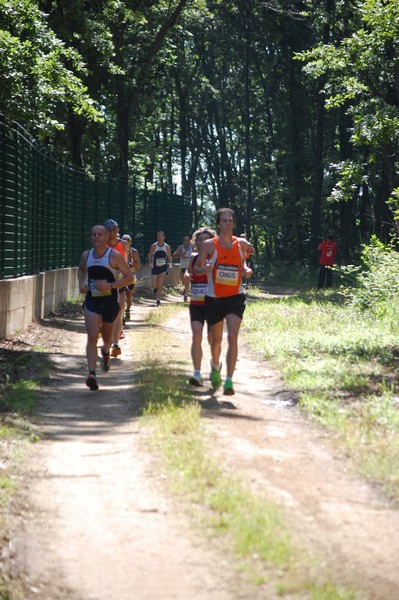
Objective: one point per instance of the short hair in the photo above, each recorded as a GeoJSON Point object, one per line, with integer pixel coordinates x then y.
{"type": "Point", "coordinates": [110, 223]}
{"type": "Point", "coordinates": [127, 237]}
{"type": "Point", "coordinates": [230, 211]}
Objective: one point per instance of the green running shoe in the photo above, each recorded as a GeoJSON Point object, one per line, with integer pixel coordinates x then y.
{"type": "Point", "coordinates": [215, 377]}
{"type": "Point", "coordinates": [228, 389]}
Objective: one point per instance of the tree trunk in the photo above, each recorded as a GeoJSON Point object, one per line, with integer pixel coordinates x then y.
{"type": "Point", "coordinates": [315, 218]}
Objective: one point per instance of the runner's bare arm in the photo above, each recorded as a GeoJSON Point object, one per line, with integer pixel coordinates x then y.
{"type": "Point", "coordinates": [136, 264]}
{"type": "Point", "coordinates": [82, 273]}
{"type": "Point", "coordinates": [246, 271]}
{"type": "Point", "coordinates": [127, 250]}
{"type": "Point", "coordinates": [177, 252]}
{"type": "Point", "coordinates": [206, 251]}
{"type": "Point", "coordinates": [246, 246]}
{"type": "Point", "coordinates": [150, 254]}
{"type": "Point", "coordinates": [188, 274]}
{"type": "Point", "coordinates": [169, 253]}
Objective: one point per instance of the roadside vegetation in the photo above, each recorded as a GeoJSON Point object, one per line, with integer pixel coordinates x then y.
{"type": "Point", "coordinates": [22, 373]}
{"type": "Point", "coordinates": [338, 351]}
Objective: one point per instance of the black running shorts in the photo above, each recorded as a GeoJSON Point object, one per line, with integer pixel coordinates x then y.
{"type": "Point", "coordinates": [197, 312]}
{"type": "Point", "coordinates": [159, 270]}
{"type": "Point", "coordinates": [108, 308]}
{"type": "Point", "coordinates": [216, 309]}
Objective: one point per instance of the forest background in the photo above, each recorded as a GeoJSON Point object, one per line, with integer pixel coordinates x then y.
{"type": "Point", "coordinates": [285, 111]}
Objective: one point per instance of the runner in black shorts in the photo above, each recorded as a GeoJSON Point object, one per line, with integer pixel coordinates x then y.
{"type": "Point", "coordinates": [223, 258]}
{"type": "Point", "coordinates": [197, 303]}
{"type": "Point", "coordinates": [159, 259]}
{"type": "Point", "coordinates": [98, 274]}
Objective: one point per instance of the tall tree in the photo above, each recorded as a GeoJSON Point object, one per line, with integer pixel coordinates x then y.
{"type": "Point", "coordinates": [41, 76]}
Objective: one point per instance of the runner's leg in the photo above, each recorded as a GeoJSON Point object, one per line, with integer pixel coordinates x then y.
{"type": "Point", "coordinates": [216, 342]}
{"type": "Point", "coordinates": [196, 344]}
{"type": "Point", "coordinates": [154, 283]}
{"type": "Point", "coordinates": [233, 323]}
{"type": "Point", "coordinates": [161, 281]}
{"type": "Point", "coordinates": [93, 323]}
{"type": "Point", "coordinates": [107, 334]}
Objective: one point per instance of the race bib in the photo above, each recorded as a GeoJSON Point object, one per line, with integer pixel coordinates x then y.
{"type": "Point", "coordinates": [95, 293]}
{"type": "Point", "coordinates": [227, 275]}
{"type": "Point", "coordinates": [184, 262]}
{"type": "Point", "coordinates": [198, 291]}
{"type": "Point", "coordinates": [160, 262]}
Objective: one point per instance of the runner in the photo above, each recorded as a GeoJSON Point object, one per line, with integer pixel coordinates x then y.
{"type": "Point", "coordinates": [223, 259]}
{"type": "Point", "coordinates": [183, 252]}
{"type": "Point", "coordinates": [159, 259]}
{"type": "Point", "coordinates": [115, 242]}
{"type": "Point", "coordinates": [197, 303]}
{"type": "Point", "coordinates": [98, 274]}
{"type": "Point", "coordinates": [134, 263]}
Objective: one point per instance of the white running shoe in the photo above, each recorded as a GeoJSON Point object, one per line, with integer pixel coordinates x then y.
{"type": "Point", "coordinates": [196, 379]}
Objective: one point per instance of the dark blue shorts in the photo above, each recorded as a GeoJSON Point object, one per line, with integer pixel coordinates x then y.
{"type": "Point", "coordinates": [159, 270]}
{"type": "Point", "coordinates": [108, 308]}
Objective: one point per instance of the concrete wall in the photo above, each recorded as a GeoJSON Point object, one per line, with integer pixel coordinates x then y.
{"type": "Point", "coordinates": [25, 299]}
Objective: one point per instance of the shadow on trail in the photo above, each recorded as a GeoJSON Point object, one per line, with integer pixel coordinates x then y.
{"type": "Point", "coordinates": [68, 409]}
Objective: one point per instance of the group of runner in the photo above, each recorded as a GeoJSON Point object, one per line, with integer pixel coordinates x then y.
{"type": "Point", "coordinates": [213, 264]}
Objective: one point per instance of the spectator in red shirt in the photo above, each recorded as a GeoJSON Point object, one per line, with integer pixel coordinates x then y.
{"type": "Point", "coordinates": [328, 250]}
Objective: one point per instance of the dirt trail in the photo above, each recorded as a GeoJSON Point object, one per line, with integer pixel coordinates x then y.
{"type": "Point", "coordinates": [100, 524]}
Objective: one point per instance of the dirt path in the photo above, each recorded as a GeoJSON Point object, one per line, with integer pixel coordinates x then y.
{"type": "Point", "coordinates": [99, 524]}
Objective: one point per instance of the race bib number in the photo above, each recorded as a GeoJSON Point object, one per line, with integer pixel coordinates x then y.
{"type": "Point", "coordinates": [160, 262]}
{"type": "Point", "coordinates": [227, 275]}
{"type": "Point", "coordinates": [184, 262]}
{"type": "Point", "coordinates": [96, 293]}
{"type": "Point", "coordinates": [198, 291]}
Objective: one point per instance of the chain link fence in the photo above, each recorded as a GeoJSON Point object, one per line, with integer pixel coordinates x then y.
{"type": "Point", "coordinates": [48, 208]}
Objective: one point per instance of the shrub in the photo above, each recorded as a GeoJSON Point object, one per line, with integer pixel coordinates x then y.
{"type": "Point", "coordinates": [377, 279]}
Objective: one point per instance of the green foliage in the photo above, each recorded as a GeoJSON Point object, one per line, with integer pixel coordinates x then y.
{"type": "Point", "coordinates": [215, 101]}
{"type": "Point", "coordinates": [21, 377]}
{"type": "Point", "coordinates": [359, 72]}
{"type": "Point", "coordinates": [376, 280]}
{"type": "Point", "coordinates": [39, 72]}
{"type": "Point", "coordinates": [19, 397]}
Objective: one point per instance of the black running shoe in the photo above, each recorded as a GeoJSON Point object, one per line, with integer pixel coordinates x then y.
{"type": "Point", "coordinates": [91, 382]}
{"type": "Point", "coordinates": [105, 360]}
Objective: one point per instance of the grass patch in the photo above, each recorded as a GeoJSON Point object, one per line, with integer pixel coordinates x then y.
{"type": "Point", "coordinates": [343, 365]}
{"type": "Point", "coordinates": [21, 375]}
{"type": "Point", "coordinates": [253, 531]}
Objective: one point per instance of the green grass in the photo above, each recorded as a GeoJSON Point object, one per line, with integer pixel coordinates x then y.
{"type": "Point", "coordinates": [341, 363]}
{"type": "Point", "coordinates": [25, 372]}
{"type": "Point", "coordinates": [252, 531]}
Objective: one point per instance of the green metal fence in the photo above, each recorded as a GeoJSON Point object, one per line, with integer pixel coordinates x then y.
{"type": "Point", "coordinates": [48, 209]}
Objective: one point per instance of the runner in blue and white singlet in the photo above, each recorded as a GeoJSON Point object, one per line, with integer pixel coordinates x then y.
{"type": "Point", "coordinates": [159, 259]}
